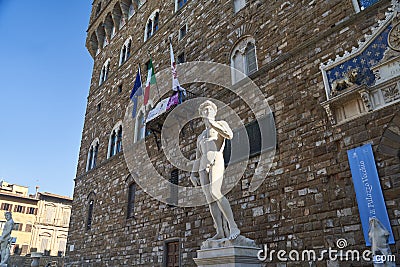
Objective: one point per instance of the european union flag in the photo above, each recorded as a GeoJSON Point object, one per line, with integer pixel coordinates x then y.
{"type": "Point", "coordinates": [136, 92]}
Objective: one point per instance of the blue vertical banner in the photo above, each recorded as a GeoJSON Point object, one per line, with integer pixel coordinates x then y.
{"type": "Point", "coordinates": [371, 203]}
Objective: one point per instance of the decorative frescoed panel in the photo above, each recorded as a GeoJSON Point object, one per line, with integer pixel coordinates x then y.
{"type": "Point", "coordinates": [368, 77]}
{"type": "Point", "coordinates": [357, 69]}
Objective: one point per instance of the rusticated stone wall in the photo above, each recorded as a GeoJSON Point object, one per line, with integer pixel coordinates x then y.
{"type": "Point", "coordinates": [308, 199]}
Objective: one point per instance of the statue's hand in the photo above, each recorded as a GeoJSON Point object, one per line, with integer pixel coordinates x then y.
{"type": "Point", "coordinates": [195, 180]}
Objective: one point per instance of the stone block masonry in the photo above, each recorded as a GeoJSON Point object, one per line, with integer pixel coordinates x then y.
{"type": "Point", "coordinates": [308, 199]}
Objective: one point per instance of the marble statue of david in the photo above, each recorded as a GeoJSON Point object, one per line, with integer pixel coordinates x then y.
{"type": "Point", "coordinates": [209, 164]}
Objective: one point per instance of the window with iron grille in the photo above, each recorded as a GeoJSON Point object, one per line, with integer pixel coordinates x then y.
{"type": "Point", "coordinates": [174, 180]}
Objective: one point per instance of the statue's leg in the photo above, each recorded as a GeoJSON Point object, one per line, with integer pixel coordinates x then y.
{"type": "Point", "coordinates": [7, 255]}
{"type": "Point", "coordinates": [223, 203]}
{"type": "Point", "coordinates": [3, 251]}
{"type": "Point", "coordinates": [214, 209]}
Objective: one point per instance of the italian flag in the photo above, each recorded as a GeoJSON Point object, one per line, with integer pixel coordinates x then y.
{"type": "Point", "coordinates": [151, 79]}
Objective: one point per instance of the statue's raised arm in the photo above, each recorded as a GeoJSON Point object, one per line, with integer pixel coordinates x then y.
{"type": "Point", "coordinates": [222, 128]}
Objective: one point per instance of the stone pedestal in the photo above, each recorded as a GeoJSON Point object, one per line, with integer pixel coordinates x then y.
{"type": "Point", "coordinates": [240, 252]}
{"type": "Point", "coordinates": [235, 256]}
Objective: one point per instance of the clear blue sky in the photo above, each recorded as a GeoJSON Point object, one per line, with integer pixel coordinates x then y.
{"type": "Point", "coordinates": [45, 73]}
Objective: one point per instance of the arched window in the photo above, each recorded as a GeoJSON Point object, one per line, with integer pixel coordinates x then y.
{"type": "Point", "coordinates": [94, 44]}
{"type": "Point", "coordinates": [149, 29]}
{"type": "Point", "coordinates": [92, 155]}
{"type": "Point", "coordinates": [141, 126]}
{"type": "Point", "coordinates": [101, 35]}
{"type": "Point", "coordinates": [155, 23]}
{"type": "Point", "coordinates": [109, 27]}
{"type": "Point", "coordinates": [104, 71]}
{"type": "Point", "coordinates": [119, 139]}
{"type": "Point", "coordinates": [117, 16]}
{"type": "Point", "coordinates": [115, 142]}
{"type": "Point", "coordinates": [140, 123]}
{"type": "Point", "coordinates": [243, 59]}
{"type": "Point", "coordinates": [250, 56]}
{"type": "Point", "coordinates": [131, 10]}
{"type": "Point", "coordinates": [125, 51]}
{"type": "Point", "coordinates": [151, 25]}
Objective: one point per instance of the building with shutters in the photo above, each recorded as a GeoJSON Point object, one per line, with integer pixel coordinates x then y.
{"type": "Point", "coordinates": [24, 208]}
{"type": "Point", "coordinates": [41, 221]}
{"type": "Point", "coordinates": [50, 230]}
{"type": "Point", "coordinates": [328, 71]}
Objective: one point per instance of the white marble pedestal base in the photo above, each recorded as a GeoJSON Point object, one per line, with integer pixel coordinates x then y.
{"type": "Point", "coordinates": [234, 256]}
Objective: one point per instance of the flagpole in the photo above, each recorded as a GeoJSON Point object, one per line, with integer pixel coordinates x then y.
{"type": "Point", "coordinates": [179, 92]}
{"type": "Point", "coordinates": [158, 90]}
{"type": "Point", "coordinates": [145, 109]}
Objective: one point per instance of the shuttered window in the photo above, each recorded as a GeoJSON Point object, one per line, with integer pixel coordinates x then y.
{"type": "Point", "coordinates": [6, 206]}
{"type": "Point", "coordinates": [19, 208]}
{"type": "Point", "coordinates": [366, 3]}
{"type": "Point", "coordinates": [28, 228]}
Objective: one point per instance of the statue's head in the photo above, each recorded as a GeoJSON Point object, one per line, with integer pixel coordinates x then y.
{"type": "Point", "coordinates": [208, 109]}
{"type": "Point", "coordinates": [7, 215]}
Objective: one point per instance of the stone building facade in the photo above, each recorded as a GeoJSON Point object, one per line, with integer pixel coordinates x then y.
{"type": "Point", "coordinates": [300, 54]}
{"type": "Point", "coordinates": [50, 230]}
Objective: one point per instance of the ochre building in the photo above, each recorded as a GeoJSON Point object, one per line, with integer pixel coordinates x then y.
{"type": "Point", "coordinates": [41, 221]}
